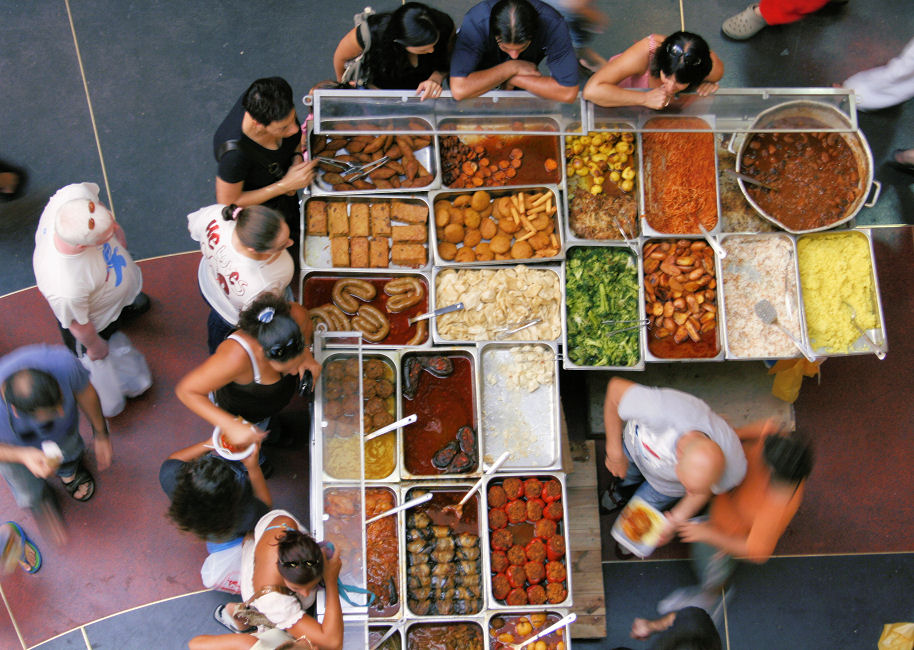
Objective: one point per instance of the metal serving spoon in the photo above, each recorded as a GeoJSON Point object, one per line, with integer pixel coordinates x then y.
{"type": "Point", "coordinates": [769, 315]}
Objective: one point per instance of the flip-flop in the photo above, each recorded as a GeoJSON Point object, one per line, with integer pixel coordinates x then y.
{"type": "Point", "coordinates": [81, 477]}
{"type": "Point", "coordinates": [222, 617]}
{"type": "Point", "coordinates": [27, 545]}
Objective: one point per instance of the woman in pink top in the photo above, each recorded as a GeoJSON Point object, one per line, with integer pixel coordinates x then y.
{"type": "Point", "coordinates": [664, 66]}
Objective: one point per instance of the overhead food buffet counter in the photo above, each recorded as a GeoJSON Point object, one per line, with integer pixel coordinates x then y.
{"type": "Point", "coordinates": [604, 238]}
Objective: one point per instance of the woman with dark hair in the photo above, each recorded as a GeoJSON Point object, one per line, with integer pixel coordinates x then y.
{"type": "Point", "coordinates": [501, 43]}
{"type": "Point", "coordinates": [281, 570]}
{"type": "Point", "coordinates": [244, 254]}
{"type": "Point", "coordinates": [255, 372]}
{"type": "Point", "coordinates": [663, 66]}
{"type": "Point", "coordinates": [408, 48]}
{"type": "Point", "coordinates": [210, 498]}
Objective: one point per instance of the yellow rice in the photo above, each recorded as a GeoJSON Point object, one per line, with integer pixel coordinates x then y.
{"type": "Point", "coordinates": [836, 268]}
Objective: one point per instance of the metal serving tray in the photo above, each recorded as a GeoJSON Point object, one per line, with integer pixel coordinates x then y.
{"type": "Point", "coordinates": [428, 156]}
{"type": "Point", "coordinates": [311, 299]}
{"type": "Point", "coordinates": [563, 529]}
{"type": "Point", "coordinates": [474, 130]}
{"type": "Point", "coordinates": [550, 612]}
{"type": "Point", "coordinates": [558, 270]}
{"type": "Point", "coordinates": [413, 623]}
{"type": "Point", "coordinates": [327, 430]}
{"type": "Point", "coordinates": [877, 335]}
{"type": "Point", "coordinates": [761, 286]}
{"type": "Point", "coordinates": [454, 492]}
{"type": "Point", "coordinates": [570, 237]}
{"type": "Point", "coordinates": [498, 192]}
{"type": "Point", "coordinates": [316, 249]}
{"type": "Point", "coordinates": [721, 325]}
{"type": "Point", "coordinates": [567, 363]}
{"type": "Point", "coordinates": [405, 408]}
{"type": "Point", "coordinates": [646, 229]}
{"type": "Point", "coordinates": [377, 630]}
{"type": "Point", "coordinates": [515, 419]}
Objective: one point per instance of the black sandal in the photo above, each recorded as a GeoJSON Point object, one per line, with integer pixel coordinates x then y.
{"type": "Point", "coordinates": [80, 478]}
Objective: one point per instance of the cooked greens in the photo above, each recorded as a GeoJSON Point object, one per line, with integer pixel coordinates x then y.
{"type": "Point", "coordinates": [601, 283]}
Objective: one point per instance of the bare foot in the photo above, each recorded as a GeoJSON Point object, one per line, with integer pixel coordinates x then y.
{"type": "Point", "coordinates": [9, 181]}
{"type": "Point", "coordinates": [905, 157]}
{"type": "Point", "coordinates": [641, 629]}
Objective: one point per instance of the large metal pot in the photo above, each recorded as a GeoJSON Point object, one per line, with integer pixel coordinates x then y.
{"type": "Point", "coordinates": [830, 118]}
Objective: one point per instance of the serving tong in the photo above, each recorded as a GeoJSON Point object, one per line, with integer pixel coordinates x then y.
{"type": "Point", "coordinates": [638, 324]}
{"type": "Point", "coordinates": [876, 349]}
{"type": "Point", "coordinates": [438, 312]}
{"type": "Point", "coordinates": [352, 171]}
{"type": "Point", "coordinates": [629, 241]}
{"type": "Point", "coordinates": [512, 328]}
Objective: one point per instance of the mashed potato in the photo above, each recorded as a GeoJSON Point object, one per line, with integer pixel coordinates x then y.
{"type": "Point", "coordinates": [836, 268]}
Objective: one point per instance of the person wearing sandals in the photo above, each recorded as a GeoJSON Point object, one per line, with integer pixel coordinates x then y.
{"type": "Point", "coordinates": [662, 66]}
{"type": "Point", "coordinates": [281, 570]}
{"type": "Point", "coordinates": [16, 549]}
{"type": "Point", "coordinates": [255, 372]}
{"type": "Point", "coordinates": [42, 390]}
{"type": "Point", "coordinates": [245, 253]}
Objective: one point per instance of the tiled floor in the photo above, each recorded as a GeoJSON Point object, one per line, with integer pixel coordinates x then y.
{"type": "Point", "coordinates": [160, 76]}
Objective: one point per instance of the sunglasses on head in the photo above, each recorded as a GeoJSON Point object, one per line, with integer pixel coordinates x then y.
{"type": "Point", "coordinates": [286, 350]}
{"type": "Point", "coordinates": [688, 58]}
{"type": "Point", "coordinates": [299, 563]}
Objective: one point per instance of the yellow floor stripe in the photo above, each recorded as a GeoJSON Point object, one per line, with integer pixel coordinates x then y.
{"type": "Point", "coordinates": [98, 144]}
{"type": "Point", "coordinates": [12, 618]}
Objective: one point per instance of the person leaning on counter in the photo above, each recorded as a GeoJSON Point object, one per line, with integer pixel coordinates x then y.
{"type": "Point", "coordinates": [501, 42]}
{"type": "Point", "coordinates": [673, 445]}
{"type": "Point", "coordinates": [661, 66]}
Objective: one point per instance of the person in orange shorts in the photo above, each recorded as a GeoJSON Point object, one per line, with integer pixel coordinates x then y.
{"type": "Point", "coordinates": [747, 521]}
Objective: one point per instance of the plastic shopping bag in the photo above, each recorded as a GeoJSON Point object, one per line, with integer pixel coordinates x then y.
{"type": "Point", "coordinates": [131, 367]}
{"type": "Point", "coordinates": [222, 570]}
{"type": "Point", "coordinates": [104, 379]}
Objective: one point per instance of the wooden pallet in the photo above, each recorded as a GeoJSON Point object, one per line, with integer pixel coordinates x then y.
{"type": "Point", "coordinates": [584, 539]}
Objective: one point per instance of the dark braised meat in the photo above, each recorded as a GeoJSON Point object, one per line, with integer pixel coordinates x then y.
{"type": "Point", "coordinates": [444, 456]}
{"type": "Point", "coordinates": [461, 463]}
{"type": "Point", "coordinates": [439, 366]}
{"type": "Point", "coordinates": [412, 371]}
{"type": "Point", "coordinates": [466, 438]}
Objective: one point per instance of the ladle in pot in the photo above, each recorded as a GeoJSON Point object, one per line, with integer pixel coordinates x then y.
{"type": "Point", "coordinates": [769, 315]}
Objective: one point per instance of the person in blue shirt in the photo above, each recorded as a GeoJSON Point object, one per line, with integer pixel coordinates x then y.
{"type": "Point", "coordinates": [42, 390]}
{"type": "Point", "coordinates": [501, 43]}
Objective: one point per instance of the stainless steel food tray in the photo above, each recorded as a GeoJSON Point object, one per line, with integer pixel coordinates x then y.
{"type": "Point", "coordinates": [571, 238]}
{"type": "Point", "coordinates": [411, 490]}
{"type": "Point", "coordinates": [528, 424]}
{"type": "Point", "coordinates": [480, 126]}
{"type": "Point", "coordinates": [412, 622]}
{"type": "Point", "coordinates": [496, 192]}
{"type": "Point", "coordinates": [428, 157]}
{"type": "Point", "coordinates": [563, 530]}
{"type": "Point", "coordinates": [567, 363]}
{"type": "Point", "coordinates": [404, 410]}
{"type": "Point", "coordinates": [321, 439]}
{"type": "Point", "coordinates": [877, 335]}
{"type": "Point", "coordinates": [721, 324]}
{"type": "Point", "coordinates": [553, 611]}
{"type": "Point", "coordinates": [646, 229]}
{"type": "Point", "coordinates": [793, 302]}
{"type": "Point", "coordinates": [316, 249]}
{"type": "Point", "coordinates": [558, 270]}
{"type": "Point", "coordinates": [308, 274]}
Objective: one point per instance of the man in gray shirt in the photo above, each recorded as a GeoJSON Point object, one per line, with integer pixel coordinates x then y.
{"type": "Point", "coordinates": [672, 446]}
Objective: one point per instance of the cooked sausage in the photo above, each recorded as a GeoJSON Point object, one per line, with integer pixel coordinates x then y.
{"type": "Point", "coordinates": [347, 290]}
{"type": "Point", "coordinates": [421, 334]}
{"type": "Point", "coordinates": [373, 325]}
{"type": "Point", "coordinates": [404, 293]}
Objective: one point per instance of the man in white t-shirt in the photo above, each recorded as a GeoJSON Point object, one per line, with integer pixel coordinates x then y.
{"type": "Point", "coordinates": [83, 269]}
{"type": "Point", "coordinates": [673, 445]}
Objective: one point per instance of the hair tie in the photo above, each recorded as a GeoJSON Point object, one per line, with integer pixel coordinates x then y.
{"type": "Point", "coordinates": [266, 315]}
{"type": "Point", "coordinates": [236, 212]}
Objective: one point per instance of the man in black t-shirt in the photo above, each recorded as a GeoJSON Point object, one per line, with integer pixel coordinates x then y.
{"type": "Point", "coordinates": [260, 150]}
